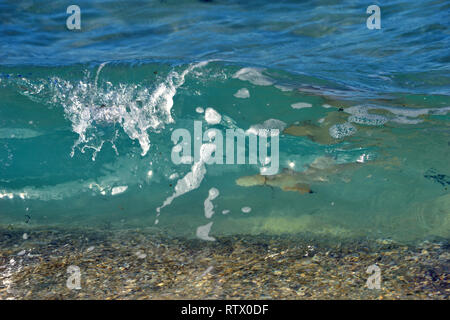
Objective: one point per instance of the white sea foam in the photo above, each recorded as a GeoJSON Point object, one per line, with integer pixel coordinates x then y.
{"type": "Point", "coordinates": [102, 65]}
{"type": "Point", "coordinates": [212, 116]}
{"type": "Point", "coordinates": [203, 232]}
{"type": "Point", "coordinates": [361, 115]}
{"type": "Point", "coordinates": [173, 176]}
{"type": "Point", "coordinates": [264, 129]}
{"type": "Point", "coordinates": [118, 190]}
{"type": "Point", "coordinates": [363, 158]}
{"type": "Point", "coordinates": [284, 88]}
{"type": "Point", "coordinates": [135, 107]}
{"type": "Point", "coordinates": [242, 93]}
{"type": "Point", "coordinates": [339, 131]}
{"type": "Point", "coordinates": [229, 122]}
{"type": "Point", "coordinates": [209, 207]}
{"type": "Point", "coordinates": [246, 209]}
{"type": "Point", "coordinates": [301, 105]}
{"type": "Point", "coordinates": [193, 178]}
{"type": "Point", "coordinates": [368, 119]}
{"type": "Point", "coordinates": [254, 76]}
{"type": "Point", "coordinates": [5, 194]}
{"type": "Point", "coordinates": [116, 174]}
{"type": "Point", "coordinates": [18, 133]}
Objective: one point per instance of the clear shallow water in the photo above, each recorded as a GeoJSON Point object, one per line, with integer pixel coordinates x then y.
{"type": "Point", "coordinates": [86, 117]}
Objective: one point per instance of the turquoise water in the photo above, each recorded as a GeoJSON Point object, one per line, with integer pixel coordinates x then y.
{"type": "Point", "coordinates": [86, 116]}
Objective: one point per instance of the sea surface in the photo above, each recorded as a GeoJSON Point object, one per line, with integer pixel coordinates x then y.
{"type": "Point", "coordinates": [87, 116]}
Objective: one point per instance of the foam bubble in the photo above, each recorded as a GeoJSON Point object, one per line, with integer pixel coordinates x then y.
{"type": "Point", "coordinates": [242, 93]}
{"type": "Point", "coordinates": [246, 209]}
{"type": "Point", "coordinates": [173, 176]}
{"type": "Point", "coordinates": [266, 128]}
{"type": "Point", "coordinates": [360, 115]}
{"type": "Point", "coordinates": [284, 88]}
{"type": "Point", "coordinates": [136, 108]}
{"type": "Point", "coordinates": [18, 133]}
{"type": "Point", "coordinates": [362, 158]}
{"type": "Point", "coordinates": [203, 232]}
{"type": "Point", "coordinates": [212, 116]}
{"type": "Point", "coordinates": [193, 178]}
{"type": "Point", "coordinates": [254, 76]}
{"type": "Point", "coordinates": [368, 119]}
{"type": "Point", "coordinates": [339, 131]}
{"type": "Point", "coordinates": [109, 184]}
{"type": "Point", "coordinates": [209, 207]}
{"type": "Point", "coordinates": [211, 134]}
{"type": "Point", "coordinates": [6, 195]}
{"type": "Point", "coordinates": [118, 190]}
{"type": "Point", "coordinates": [301, 105]}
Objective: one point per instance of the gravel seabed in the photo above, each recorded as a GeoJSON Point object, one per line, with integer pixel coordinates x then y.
{"type": "Point", "coordinates": [147, 264]}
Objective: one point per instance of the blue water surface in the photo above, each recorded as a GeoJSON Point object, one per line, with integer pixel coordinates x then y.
{"type": "Point", "coordinates": [86, 115]}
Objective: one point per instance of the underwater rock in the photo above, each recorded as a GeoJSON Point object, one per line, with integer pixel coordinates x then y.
{"type": "Point", "coordinates": [285, 181]}
{"type": "Point", "coordinates": [319, 133]}
{"type": "Point", "coordinates": [343, 123]}
{"type": "Point", "coordinates": [313, 132]}
{"type": "Point", "coordinates": [288, 180]}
